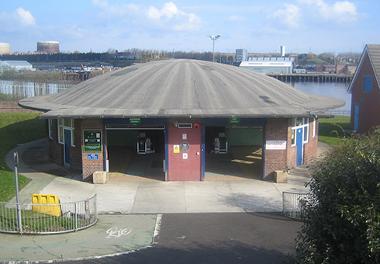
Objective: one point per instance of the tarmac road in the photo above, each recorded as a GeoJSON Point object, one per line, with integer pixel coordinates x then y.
{"type": "Point", "coordinates": [217, 238]}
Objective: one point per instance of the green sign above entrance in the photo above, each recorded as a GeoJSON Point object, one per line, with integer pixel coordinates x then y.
{"type": "Point", "coordinates": [135, 121]}
{"type": "Point", "coordinates": [92, 140]}
{"type": "Point", "coordinates": [234, 120]}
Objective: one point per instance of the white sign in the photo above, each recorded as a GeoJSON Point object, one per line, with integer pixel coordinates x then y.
{"type": "Point", "coordinates": [184, 156]}
{"type": "Point", "coordinates": [184, 136]}
{"type": "Point", "coordinates": [275, 144]}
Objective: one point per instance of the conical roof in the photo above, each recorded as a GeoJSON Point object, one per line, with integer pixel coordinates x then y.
{"type": "Point", "coordinates": [181, 88]}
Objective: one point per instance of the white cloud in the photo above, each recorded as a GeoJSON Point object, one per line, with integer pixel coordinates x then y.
{"type": "Point", "coordinates": [341, 11]}
{"type": "Point", "coordinates": [171, 14]}
{"type": "Point", "coordinates": [288, 15]}
{"type": "Point", "coordinates": [25, 17]}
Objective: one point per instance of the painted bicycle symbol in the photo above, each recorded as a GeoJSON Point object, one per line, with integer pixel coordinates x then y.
{"type": "Point", "coordinates": [115, 232]}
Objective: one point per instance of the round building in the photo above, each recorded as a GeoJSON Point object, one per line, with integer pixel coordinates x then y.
{"type": "Point", "coordinates": [48, 47]}
{"type": "Point", "coordinates": [182, 120]}
{"type": "Point", "coordinates": [5, 48]}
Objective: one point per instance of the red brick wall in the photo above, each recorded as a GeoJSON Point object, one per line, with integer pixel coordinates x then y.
{"type": "Point", "coordinates": [180, 169]}
{"type": "Point", "coordinates": [275, 129]}
{"type": "Point", "coordinates": [369, 102]}
{"type": "Point", "coordinates": [90, 166]}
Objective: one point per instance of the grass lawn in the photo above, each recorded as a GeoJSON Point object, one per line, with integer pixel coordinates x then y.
{"type": "Point", "coordinates": [16, 128]}
{"type": "Point", "coordinates": [333, 130]}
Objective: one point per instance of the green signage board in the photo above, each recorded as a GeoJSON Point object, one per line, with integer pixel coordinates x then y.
{"type": "Point", "coordinates": [135, 121]}
{"type": "Point", "coordinates": [92, 140]}
{"type": "Point", "coordinates": [234, 120]}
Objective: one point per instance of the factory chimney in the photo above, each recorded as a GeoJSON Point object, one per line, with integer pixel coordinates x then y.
{"type": "Point", "coordinates": [282, 51]}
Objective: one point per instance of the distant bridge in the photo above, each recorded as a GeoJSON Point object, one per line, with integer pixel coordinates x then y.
{"type": "Point", "coordinates": [313, 77]}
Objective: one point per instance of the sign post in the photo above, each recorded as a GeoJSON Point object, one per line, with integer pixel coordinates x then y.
{"type": "Point", "coordinates": [19, 222]}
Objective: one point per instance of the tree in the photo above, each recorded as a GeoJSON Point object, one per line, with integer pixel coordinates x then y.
{"type": "Point", "coordinates": [342, 216]}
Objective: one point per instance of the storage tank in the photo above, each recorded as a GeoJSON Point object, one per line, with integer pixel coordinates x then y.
{"type": "Point", "coordinates": [5, 48]}
{"type": "Point", "coordinates": [49, 46]}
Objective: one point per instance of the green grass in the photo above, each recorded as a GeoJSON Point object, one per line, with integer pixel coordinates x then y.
{"type": "Point", "coordinates": [333, 130]}
{"type": "Point", "coordinates": [33, 222]}
{"type": "Point", "coordinates": [16, 128]}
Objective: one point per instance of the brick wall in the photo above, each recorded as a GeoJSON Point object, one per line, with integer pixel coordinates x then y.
{"type": "Point", "coordinates": [90, 166]}
{"type": "Point", "coordinates": [369, 102]}
{"type": "Point", "coordinates": [275, 129]}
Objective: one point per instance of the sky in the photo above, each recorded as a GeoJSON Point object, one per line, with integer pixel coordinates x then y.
{"type": "Point", "coordinates": [258, 26]}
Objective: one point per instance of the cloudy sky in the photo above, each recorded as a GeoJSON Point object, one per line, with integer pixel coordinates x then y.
{"type": "Point", "coordinates": [259, 26]}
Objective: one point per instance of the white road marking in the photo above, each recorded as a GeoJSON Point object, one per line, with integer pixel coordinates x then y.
{"type": "Point", "coordinates": [157, 229]}
{"type": "Point", "coordinates": [115, 232]}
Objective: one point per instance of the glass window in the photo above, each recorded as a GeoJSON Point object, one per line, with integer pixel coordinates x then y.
{"type": "Point", "coordinates": [299, 121]}
{"type": "Point", "coordinates": [305, 134]}
{"type": "Point", "coordinates": [50, 128]}
{"type": "Point", "coordinates": [314, 126]}
{"type": "Point", "coordinates": [293, 136]}
{"type": "Point", "coordinates": [60, 131]}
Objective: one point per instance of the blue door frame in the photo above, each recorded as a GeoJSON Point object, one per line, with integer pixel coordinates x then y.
{"type": "Point", "coordinates": [299, 143]}
{"type": "Point", "coordinates": [66, 147]}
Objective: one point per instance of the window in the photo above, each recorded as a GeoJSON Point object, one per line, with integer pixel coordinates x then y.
{"type": "Point", "coordinates": [67, 124]}
{"type": "Point", "coordinates": [60, 131]}
{"type": "Point", "coordinates": [305, 134]}
{"type": "Point", "coordinates": [293, 137]}
{"type": "Point", "coordinates": [50, 128]}
{"type": "Point", "coordinates": [367, 83]}
{"type": "Point", "coordinates": [314, 127]}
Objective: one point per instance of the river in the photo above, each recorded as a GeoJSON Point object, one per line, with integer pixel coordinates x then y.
{"type": "Point", "coordinates": [22, 89]}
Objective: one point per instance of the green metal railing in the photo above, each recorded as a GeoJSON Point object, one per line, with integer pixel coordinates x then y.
{"type": "Point", "coordinates": [30, 219]}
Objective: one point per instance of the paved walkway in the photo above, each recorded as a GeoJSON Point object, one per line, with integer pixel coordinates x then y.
{"type": "Point", "coordinates": [125, 196]}
{"type": "Point", "coordinates": [112, 235]}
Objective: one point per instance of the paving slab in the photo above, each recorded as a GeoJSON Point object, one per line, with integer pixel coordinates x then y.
{"type": "Point", "coordinates": [112, 235]}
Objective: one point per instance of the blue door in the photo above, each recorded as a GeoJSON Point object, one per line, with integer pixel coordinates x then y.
{"type": "Point", "coordinates": [299, 143]}
{"type": "Point", "coordinates": [67, 146]}
{"type": "Point", "coordinates": [356, 117]}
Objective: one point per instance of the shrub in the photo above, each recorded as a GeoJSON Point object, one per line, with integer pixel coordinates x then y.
{"type": "Point", "coordinates": [342, 218]}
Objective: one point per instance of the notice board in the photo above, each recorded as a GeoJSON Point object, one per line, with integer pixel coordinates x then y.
{"type": "Point", "coordinates": [92, 140]}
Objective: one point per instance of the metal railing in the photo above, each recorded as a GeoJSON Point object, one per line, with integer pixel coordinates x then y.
{"type": "Point", "coordinates": [292, 204]}
{"type": "Point", "coordinates": [47, 218]}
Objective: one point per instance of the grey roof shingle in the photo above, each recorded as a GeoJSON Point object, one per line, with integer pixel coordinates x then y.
{"type": "Point", "coordinates": [374, 56]}
{"type": "Point", "coordinates": [173, 88]}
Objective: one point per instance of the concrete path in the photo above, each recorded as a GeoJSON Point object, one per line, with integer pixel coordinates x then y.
{"type": "Point", "coordinates": [125, 196]}
{"type": "Point", "coordinates": [112, 235]}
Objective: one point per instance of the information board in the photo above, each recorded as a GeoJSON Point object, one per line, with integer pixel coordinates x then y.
{"type": "Point", "coordinates": [92, 140]}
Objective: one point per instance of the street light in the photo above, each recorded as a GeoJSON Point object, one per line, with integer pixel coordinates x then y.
{"type": "Point", "coordinates": [213, 38]}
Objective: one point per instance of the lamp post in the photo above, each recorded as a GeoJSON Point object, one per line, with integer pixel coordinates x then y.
{"type": "Point", "coordinates": [213, 38]}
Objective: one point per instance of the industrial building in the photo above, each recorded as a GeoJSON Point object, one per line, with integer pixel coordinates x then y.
{"type": "Point", "coordinates": [269, 65]}
{"type": "Point", "coordinates": [365, 90]}
{"type": "Point", "coordinates": [17, 65]}
{"type": "Point", "coordinates": [48, 47]}
{"type": "Point", "coordinates": [5, 48]}
{"type": "Point", "coordinates": [182, 120]}
{"type": "Point", "coordinates": [241, 55]}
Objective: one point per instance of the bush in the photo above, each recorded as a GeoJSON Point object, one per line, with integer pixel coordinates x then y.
{"type": "Point", "coordinates": [342, 218]}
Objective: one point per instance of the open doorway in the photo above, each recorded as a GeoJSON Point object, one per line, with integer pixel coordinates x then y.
{"type": "Point", "coordinates": [136, 153]}
{"type": "Point", "coordinates": [233, 153]}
